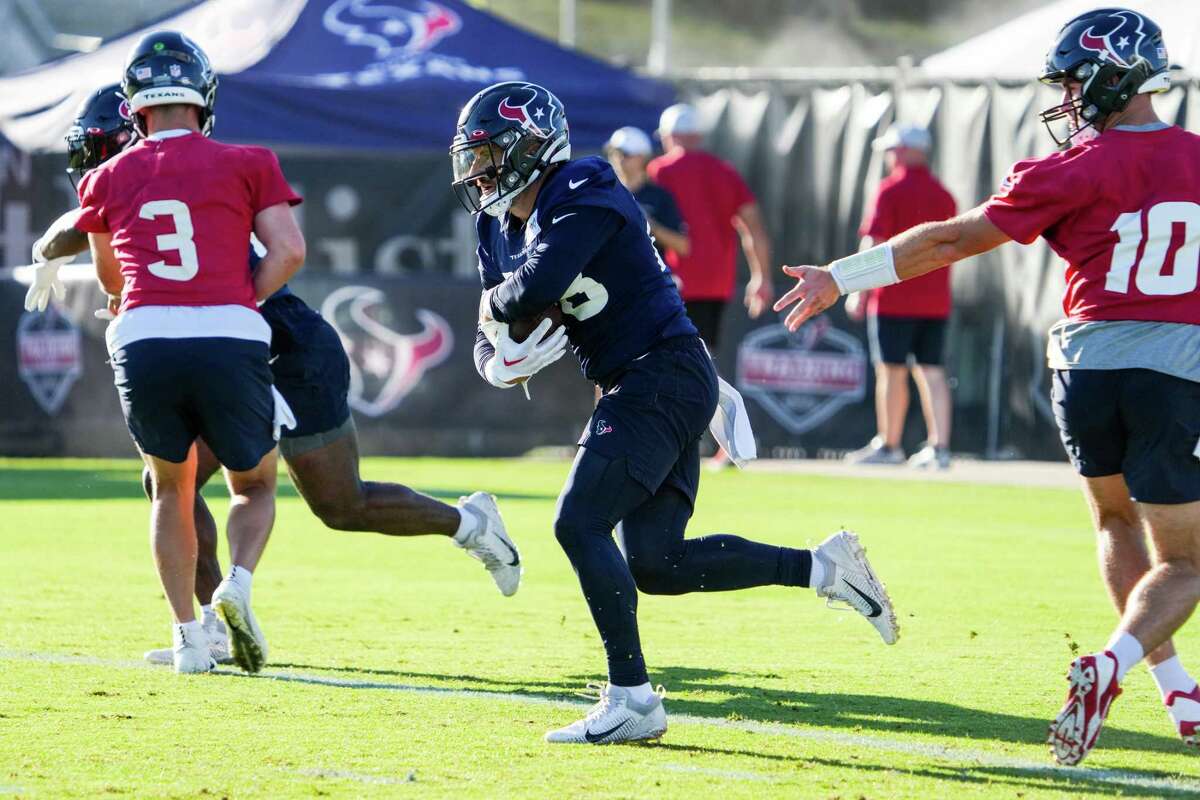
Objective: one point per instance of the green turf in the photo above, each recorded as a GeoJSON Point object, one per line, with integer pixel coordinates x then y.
{"type": "Point", "coordinates": [772, 694]}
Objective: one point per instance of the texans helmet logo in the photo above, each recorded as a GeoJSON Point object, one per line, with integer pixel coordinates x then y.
{"type": "Point", "coordinates": [399, 29]}
{"type": "Point", "coordinates": [1125, 36]}
{"type": "Point", "coordinates": [123, 108]}
{"type": "Point", "coordinates": [519, 112]}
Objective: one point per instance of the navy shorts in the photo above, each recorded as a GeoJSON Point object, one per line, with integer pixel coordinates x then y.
{"type": "Point", "coordinates": [1139, 423]}
{"type": "Point", "coordinates": [310, 366]}
{"type": "Point", "coordinates": [653, 413]}
{"type": "Point", "coordinates": [173, 391]}
{"type": "Point", "coordinates": [894, 339]}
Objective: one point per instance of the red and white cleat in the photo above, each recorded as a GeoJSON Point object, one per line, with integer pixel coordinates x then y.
{"type": "Point", "coordinates": [1184, 708]}
{"type": "Point", "coordinates": [1092, 687]}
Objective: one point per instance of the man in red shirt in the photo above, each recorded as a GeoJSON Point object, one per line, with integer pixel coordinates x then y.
{"type": "Point", "coordinates": [168, 222]}
{"type": "Point", "coordinates": [907, 320]}
{"type": "Point", "coordinates": [1121, 205]}
{"type": "Point", "coordinates": [715, 203]}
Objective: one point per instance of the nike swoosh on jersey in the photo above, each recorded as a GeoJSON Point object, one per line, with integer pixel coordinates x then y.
{"type": "Point", "coordinates": [508, 363]}
{"type": "Point", "coordinates": [578, 183]}
{"type": "Point", "coordinates": [556, 220]}
{"type": "Point", "coordinates": [876, 609]}
{"type": "Point", "coordinates": [596, 737]}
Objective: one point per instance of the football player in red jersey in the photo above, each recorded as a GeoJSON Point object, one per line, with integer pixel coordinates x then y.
{"type": "Point", "coordinates": [1122, 208]}
{"type": "Point", "coordinates": [310, 369]}
{"type": "Point", "coordinates": [168, 221]}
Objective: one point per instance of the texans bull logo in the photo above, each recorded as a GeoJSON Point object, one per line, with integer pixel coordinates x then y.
{"type": "Point", "coordinates": [385, 366]}
{"type": "Point", "coordinates": [519, 111]}
{"type": "Point", "coordinates": [396, 29]}
{"type": "Point", "coordinates": [1124, 34]}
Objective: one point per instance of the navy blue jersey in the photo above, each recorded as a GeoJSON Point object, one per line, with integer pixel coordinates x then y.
{"type": "Point", "coordinates": [586, 246]}
{"type": "Point", "coordinates": [282, 291]}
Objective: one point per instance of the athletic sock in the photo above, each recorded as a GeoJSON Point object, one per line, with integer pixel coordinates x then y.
{"type": "Point", "coordinates": [1172, 677]}
{"type": "Point", "coordinates": [818, 571]}
{"type": "Point", "coordinates": [641, 694]}
{"type": "Point", "coordinates": [467, 524]}
{"type": "Point", "coordinates": [1128, 651]}
{"type": "Point", "coordinates": [207, 614]}
{"type": "Point", "coordinates": [241, 576]}
{"type": "Point", "coordinates": [192, 629]}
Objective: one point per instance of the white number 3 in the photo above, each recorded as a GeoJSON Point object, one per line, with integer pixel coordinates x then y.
{"type": "Point", "coordinates": [1160, 227]}
{"type": "Point", "coordinates": [180, 240]}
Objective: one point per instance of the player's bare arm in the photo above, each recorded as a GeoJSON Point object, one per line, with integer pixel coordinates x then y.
{"type": "Point", "coordinates": [62, 239]}
{"type": "Point", "coordinates": [670, 238]}
{"type": "Point", "coordinates": [276, 228]}
{"type": "Point", "coordinates": [757, 247]}
{"type": "Point", "coordinates": [915, 252]}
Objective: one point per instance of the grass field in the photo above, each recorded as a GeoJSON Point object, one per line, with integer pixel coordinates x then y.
{"type": "Point", "coordinates": [398, 670]}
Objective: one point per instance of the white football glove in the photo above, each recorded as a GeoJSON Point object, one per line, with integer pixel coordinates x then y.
{"type": "Point", "coordinates": [45, 282]}
{"type": "Point", "coordinates": [516, 362]}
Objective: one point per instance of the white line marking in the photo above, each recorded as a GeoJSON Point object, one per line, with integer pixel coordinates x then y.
{"type": "Point", "coordinates": [963, 756]}
{"type": "Point", "coordinates": [361, 777]}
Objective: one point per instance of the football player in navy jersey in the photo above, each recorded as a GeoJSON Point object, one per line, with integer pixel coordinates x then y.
{"type": "Point", "coordinates": [556, 231]}
{"type": "Point", "coordinates": [310, 369]}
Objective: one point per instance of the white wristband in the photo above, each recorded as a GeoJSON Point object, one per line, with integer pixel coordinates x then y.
{"type": "Point", "coordinates": [869, 269]}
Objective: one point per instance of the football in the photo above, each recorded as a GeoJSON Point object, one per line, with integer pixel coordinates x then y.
{"type": "Point", "coordinates": [519, 330]}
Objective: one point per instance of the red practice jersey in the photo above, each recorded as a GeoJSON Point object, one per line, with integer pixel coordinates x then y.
{"type": "Point", "coordinates": [181, 211]}
{"type": "Point", "coordinates": [906, 198]}
{"type": "Point", "coordinates": [709, 193]}
{"type": "Point", "coordinates": [1123, 210]}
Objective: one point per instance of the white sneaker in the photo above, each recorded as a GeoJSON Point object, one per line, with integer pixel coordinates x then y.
{"type": "Point", "coordinates": [930, 457]}
{"type": "Point", "coordinates": [218, 645]}
{"type": "Point", "coordinates": [248, 643]}
{"type": "Point", "coordinates": [616, 718]}
{"type": "Point", "coordinates": [490, 543]}
{"type": "Point", "coordinates": [850, 579]}
{"type": "Point", "coordinates": [190, 652]}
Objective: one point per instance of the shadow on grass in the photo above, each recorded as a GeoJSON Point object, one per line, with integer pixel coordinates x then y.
{"type": "Point", "coordinates": [1048, 778]}
{"type": "Point", "coordinates": [120, 482]}
{"type": "Point", "coordinates": [854, 713]}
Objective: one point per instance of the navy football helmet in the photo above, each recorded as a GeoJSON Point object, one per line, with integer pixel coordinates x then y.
{"type": "Point", "coordinates": [103, 127]}
{"type": "Point", "coordinates": [507, 135]}
{"type": "Point", "coordinates": [165, 68]}
{"type": "Point", "coordinates": [1113, 53]}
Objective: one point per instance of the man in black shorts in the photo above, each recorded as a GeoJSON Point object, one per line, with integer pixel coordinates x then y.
{"type": "Point", "coordinates": [907, 320]}
{"type": "Point", "coordinates": [310, 369]}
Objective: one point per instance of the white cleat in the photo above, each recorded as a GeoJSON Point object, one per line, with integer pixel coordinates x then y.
{"type": "Point", "coordinates": [853, 582]}
{"type": "Point", "coordinates": [190, 653]}
{"type": "Point", "coordinates": [218, 645]}
{"type": "Point", "coordinates": [617, 717]}
{"type": "Point", "coordinates": [490, 543]}
{"type": "Point", "coordinates": [248, 643]}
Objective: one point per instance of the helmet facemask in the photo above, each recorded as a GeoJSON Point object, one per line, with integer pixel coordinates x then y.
{"type": "Point", "coordinates": [91, 147]}
{"type": "Point", "coordinates": [490, 173]}
{"type": "Point", "coordinates": [1103, 90]}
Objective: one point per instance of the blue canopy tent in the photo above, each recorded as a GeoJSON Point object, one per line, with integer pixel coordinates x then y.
{"type": "Point", "coordinates": [366, 75]}
{"type": "Point", "coordinates": [393, 75]}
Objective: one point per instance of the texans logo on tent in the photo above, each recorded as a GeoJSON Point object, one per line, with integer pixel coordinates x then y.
{"type": "Point", "coordinates": [1125, 36]}
{"type": "Point", "coordinates": [395, 28]}
{"type": "Point", "coordinates": [385, 366]}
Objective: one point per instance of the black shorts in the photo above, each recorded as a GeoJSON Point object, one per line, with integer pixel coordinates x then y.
{"type": "Point", "coordinates": [173, 391]}
{"type": "Point", "coordinates": [310, 366]}
{"type": "Point", "coordinates": [1139, 423]}
{"type": "Point", "coordinates": [706, 316]}
{"type": "Point", "coordinates": [894, 339]}
{"type": "Point", "coordinates": [653, 413]}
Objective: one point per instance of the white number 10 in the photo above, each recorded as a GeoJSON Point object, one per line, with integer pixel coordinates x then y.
{"type": "Point", "coordinates": [180, 240]}
{"type": "Point", "coordinates": [1160, 224]}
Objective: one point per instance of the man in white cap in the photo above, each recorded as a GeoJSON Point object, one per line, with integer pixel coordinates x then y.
{"type": "Point", "coordinates": [715, 203]}
{"type": "Point", "coordinates": [628, 150]}
{"type": "Point", "coordinates": [907, 320]}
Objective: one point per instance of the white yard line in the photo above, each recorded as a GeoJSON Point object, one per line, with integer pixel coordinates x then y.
{"type": "Point", "coordinates": [964, 757]}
